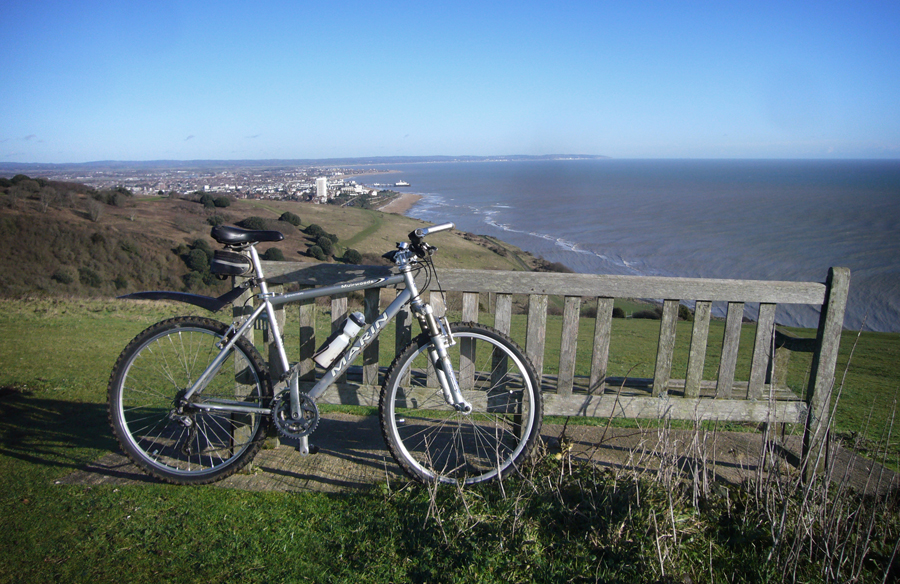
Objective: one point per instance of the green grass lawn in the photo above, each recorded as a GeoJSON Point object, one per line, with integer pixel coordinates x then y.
{"type": "Point", "coordinates": [56, 357]}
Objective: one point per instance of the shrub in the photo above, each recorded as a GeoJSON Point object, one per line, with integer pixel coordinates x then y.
{"type": "Point", "coordinates": [290, 218]}
{"type": "Point", "coordinates": [120, 282]}
{"type": "Point", "coordinates": [273, 254]}
{"type": "Point", "coordinates": [314, 231]}
{"type": "Point", "coordinates": [207, 201]}
{"type": "Point", "coordinates": [197, 261]}
{"type": "Point", "coordinates": [215, 220]}
{"type": "Point", "coordinates": [684, 313]}
{"type": "Point", "coordinates": [618, 312]}
{"type": "Point", "coordinates": [222, 202]}
{"type": "Point", "coordinates": [193, 280]}
{"type": "Point", "coordinates": [649, 314]}
{"type": "Point", "coordinates": [324, 242]}
{"type": "Point", "coordinates": [89, 277]}
{"type": "Point", "coordinates": [130, 247]}
{"type": "Point", "coordinates": [63, 276]}
{"type": "Point", "coordinates": [201, 244]}
{"type": "Point", "coordinates": [257, 223]}
{"type": "Point", "coordinates": [316, 252]}
{"type": "Point", "coordinates": [351, 256]}
{"type": "Point", "coordinates": [94, 209]}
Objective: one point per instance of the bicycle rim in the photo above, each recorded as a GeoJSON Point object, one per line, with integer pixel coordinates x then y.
{"type": "Point", "coordinates": [431, 440]}
{"type": "Point", "coordinates": [195, 445]}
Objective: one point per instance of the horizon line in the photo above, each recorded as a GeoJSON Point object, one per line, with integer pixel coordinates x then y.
{"type": "Point", "coordinates": [404, 159]}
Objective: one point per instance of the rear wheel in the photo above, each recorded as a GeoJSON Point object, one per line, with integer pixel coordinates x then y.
{"type": "Point", "coordinates": [431, 440]}
{"type": "Point", "coordinates": [176, 441]}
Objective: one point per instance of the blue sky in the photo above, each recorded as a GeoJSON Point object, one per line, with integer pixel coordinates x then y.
{"type": "Point", "coordinates": [147, 80]}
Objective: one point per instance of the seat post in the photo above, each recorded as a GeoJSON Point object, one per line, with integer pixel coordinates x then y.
{"type": "Point", "coordinates": [270, 310]}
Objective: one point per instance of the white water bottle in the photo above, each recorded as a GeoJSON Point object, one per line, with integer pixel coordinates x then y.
{"type": "Point", "coordinates": [333, 347]}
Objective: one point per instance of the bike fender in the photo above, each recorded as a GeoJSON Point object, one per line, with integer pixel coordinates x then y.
{"type": "Point", "coordinates": [207, 302]}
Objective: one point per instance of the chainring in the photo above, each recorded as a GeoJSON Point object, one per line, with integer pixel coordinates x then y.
{"type": "Point", "coordinates": [286, 425]}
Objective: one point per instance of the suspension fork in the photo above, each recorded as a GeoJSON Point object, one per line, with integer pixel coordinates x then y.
{"type": "Point", "coordinates": [441, 339]}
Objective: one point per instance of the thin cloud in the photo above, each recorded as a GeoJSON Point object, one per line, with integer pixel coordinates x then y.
{"type": "Point", "coordinates": [191, 137]}
{"type": "Point", "coordinates": [253, 137]}
{"type": "Point", "coordinates": [30, 137]}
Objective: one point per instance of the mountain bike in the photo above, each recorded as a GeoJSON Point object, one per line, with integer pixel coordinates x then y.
{"type": "Point", "coordinates": [191, 398]}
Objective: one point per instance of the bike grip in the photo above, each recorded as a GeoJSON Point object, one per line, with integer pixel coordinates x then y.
{"type": "Point", "coordinates": [422, 232]}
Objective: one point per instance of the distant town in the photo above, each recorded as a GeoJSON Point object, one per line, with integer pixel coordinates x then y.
{"type": "Point", "coordinates": [312, 184]}
{"type": "Point", "coordinates": [334, 181]}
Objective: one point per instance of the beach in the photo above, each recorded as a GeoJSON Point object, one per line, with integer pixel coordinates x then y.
{"type": "Point", "coordinates": [401, 204]}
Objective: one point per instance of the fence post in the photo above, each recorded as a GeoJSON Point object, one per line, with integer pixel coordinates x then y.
{"type": "Point", "coordinates": [821, 379]}
{"type": "Point", "coordinates": [568, 345]}
{"type": "Point", "coordinates": [536, 330]}
{"type": "Point", "coordinates": [665, 348]}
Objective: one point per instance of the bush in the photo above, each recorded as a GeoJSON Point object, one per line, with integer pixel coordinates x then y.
{"type": "Point", "coordinates": [290, 218]}
{"type": "Point", "coordinates": [63, 276]}
{"type": "Point", "coordinates": [222, 202]}
{"type": "Point", "coordinates": [193, 280]}
{"type": "Point", "coordinates": [316, 252]}
{"type": "Point", "coordinates": [120, 282]}
{"type": "Point", "coordinates": [215, 220]}
{"type": "Point", "coordinates": [314, 231]}
{"type": "Point", "coordinates": [324, 242]}
{"type": "Point", "coordinates": [89, 277]}
{"type": "Point", "coordinates": [257, 223]}
{"type": "Point", "coordinates": [649, 314]}
{"type": "Point", "coordinates": [201, 244]}
{"type": "Point", "coordinates": [618, 312]}
{"type": "Point", "coordinates": [197, 261]}
{"type": "Point", "coordinates": [684, 313]}
{"type": "Point", "coordinates": [94, 210]}
{"type": "Point", "coordinates": [273, 254]}
{"type": "Point", "coordinates": [351, 256]}
{"type": "Point", "coordinates": [207, 201]}
{"type": "Point", "coordinates": [559, 267]}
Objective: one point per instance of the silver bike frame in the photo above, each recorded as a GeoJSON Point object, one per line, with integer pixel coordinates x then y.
{"type": "Point", "coordinates": [440, 338]}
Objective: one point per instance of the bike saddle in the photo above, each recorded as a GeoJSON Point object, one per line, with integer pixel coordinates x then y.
{"type": "Point", "coordinates": [227, 235]}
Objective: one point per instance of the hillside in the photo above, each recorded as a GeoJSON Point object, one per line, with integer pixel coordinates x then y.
{"type": "Point", "coordinates": [76, 241]}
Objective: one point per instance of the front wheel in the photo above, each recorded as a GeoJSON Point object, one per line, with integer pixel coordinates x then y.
{"type": "Point", "coordinates": [175, 440]}
{"type": "Point", "coordinates": [431, 440]}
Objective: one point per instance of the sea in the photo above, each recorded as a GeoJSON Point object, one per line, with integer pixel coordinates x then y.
{"type": "Point", "coordinates": [741, 219]}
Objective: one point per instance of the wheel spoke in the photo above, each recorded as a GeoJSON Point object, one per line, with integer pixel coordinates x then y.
{"type": "Point", "coordinates": [174, 441]}
{"type": "Point", "coordinates": [434, 441]}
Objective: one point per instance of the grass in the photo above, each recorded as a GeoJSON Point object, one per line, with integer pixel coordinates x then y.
{"type": "Point", "coordinates": [132, 247]}
{"type": "Point", "coordinates": [561, 521]}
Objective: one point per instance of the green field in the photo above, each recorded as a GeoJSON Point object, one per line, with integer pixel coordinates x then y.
{"type": "Point", "coordinates": [57, 355]}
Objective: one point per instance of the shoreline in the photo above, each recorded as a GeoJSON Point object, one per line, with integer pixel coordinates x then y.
{"type": "Point", "coordinates": [401, 204]}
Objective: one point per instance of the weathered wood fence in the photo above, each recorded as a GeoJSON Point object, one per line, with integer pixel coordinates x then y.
{"type": "Point", "coordinates": [765, 397]}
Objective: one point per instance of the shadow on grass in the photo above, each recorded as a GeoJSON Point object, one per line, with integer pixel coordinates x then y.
{"type": "Point", "coordinates": [72, 442]}
{"type": "Point", "coordinates": [51, 433]}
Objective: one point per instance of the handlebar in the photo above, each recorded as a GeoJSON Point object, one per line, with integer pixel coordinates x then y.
{"type": "Point", "coordinates": [421, 233]}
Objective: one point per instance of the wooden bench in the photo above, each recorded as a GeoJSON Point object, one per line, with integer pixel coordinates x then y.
{"type": "Point", "coordinates": [764, 397]}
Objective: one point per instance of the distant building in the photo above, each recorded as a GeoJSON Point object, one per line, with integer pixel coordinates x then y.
{"type": "Point", "coordinates": [322, 190]}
